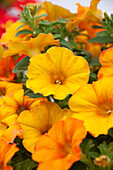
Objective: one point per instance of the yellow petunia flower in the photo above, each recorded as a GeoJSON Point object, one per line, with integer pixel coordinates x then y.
{"type": "Point", "coordinates": [93, 103]}
{"type": "Point", "coordinates": [31, 47]}
{"type": "Point", "coordinates": [7, 89]}
{"type": "Point", "coordinates": [13, 106]}
{"type": "Point", "coordinates": [38, 121]}
{"type": "Point", "coordinates": [11, 32]}
{"type": "Point", "coordinates": [54, 11]}
{"type": "Point", "coordinates": [58, 72]}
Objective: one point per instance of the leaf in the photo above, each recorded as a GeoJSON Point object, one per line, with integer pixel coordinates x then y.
{"type": "Point", "coordinates": [102, 33]}
{"type": "Point", "coordinates": [56, 36]}
{"type": "Point", "coordinates": [43, 15]}
{"type": "Point", "coordinates": [92, 77]}
{"type": "Point", "coordinates": [33, 95]}
{"type": "Point", "coordinates": [95, 62]}
{"type": "Point", "coordinates": [43, 22]}
{"type": "Point", "coordinates": [38, 8]}
{"type": "Point", "coordinates": [22, 65]}
{"type": "Point", "coordinates": [104, 39]}
{"type": "Point", "coordinates": [102, 149]}
{"type": "Point", "coordinates": [110, 132]}
{"type": "Point", "coordinates": [65, 43]}
{"type": "Point", "coordinates": [21, 26]}
{"type": "Point", "coordinates": [23, 32]}
{"type": "Point", "coordinates": [96, 26]}
{"type": "Point", "coordinates": [89, 146]}
{"type": "Point", "coordinates": [27, 164]}
{"type": "Point", "coordinates": [93, 154]}
{"type": "Point", "coordinates": [73, 44]}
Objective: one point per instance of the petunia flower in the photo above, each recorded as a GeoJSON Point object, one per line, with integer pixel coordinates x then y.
{"type": "Point", "coordinates": [82, 42]}
{"type": "Point", "coordinates": [106, 60]}
{"type": "Point", "coordinates": [13, 106]}
{"type": "Point", "coordinates": [31, 47]}
{"type": "Point", "coordinates": [39, 120]}
{"type": "Point", "coordinates": [6, 72]}
{"type": "Point", "coordinates": [59, 149]}
{"type": "Point", "coordinates": [54, 11]}
{"type": "Point", "coordinates": [7, 89]}
{"type": "Point", "coordinates": [86, 16]}
{"type": "Point", "coordinates": [93, 103]}
{"type": "Point", "coordinates": [58, 72]}
{"type": "Point", "coordinates": [11, 32]}
{"type": "Point", "coordinates": [7, 151]}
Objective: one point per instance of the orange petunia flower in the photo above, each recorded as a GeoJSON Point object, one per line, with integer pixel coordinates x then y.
{"type": "Point", "coordinates": [106, 60]}
{"type": "Point", "coordinates": [11, 32]}
{"type": "Point", "coordinates": [59, 149]}
{"type": "Point", "coordinates": [6, 72]}
{"type": "Point", "coordinates": [82, 42]}
{"type": "Point", "coordinates": [86, 14]}
{"type": "Point", "coordinates": [6, 153]}
{"type": "Point", "coordinates": [93, 103]}
{"type": "Point", "coordinates": [15, 104]}
{"type": "Point", "coordinates": [7, 88]}
{"type": "Point", "coordinates": [58, 72]}
{"type": "Point", "coordinates": [39, 120]}
{"type": "Point", "coordinates": [31, 47]}
{"type": "Point", "coordinates": [54, 11]}
{"type": "Point", "coordinates": [8, 150]}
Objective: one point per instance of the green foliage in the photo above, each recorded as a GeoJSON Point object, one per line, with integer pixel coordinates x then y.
{"type": "Point", "coordinates": [107, 35]}
{"type": "Point", "coordinates": [22, 65]}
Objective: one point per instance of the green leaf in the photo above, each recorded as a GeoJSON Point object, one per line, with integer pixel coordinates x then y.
{"type": "Point", "coordinates": [95, 62]}
{"type": "Point", "coordinates": [23, 32]}
{"type": "Point", "coordinates": [110, 132]}
{"type": "Point", "coordinates": [21, 26]}
{"type": "Point", "coordinates": [43, 22]}
{"type": "Point", "coordinates": [43, 15]}
{"type": "Point", "coordinates": [65, 43]}
{"type": "Point", "coordinates": [33, 95]}
{"type": "Point", "coordinates": [56, 36]}
{"type": "Point", "coordinates": [58, 22]}
{"type": "Point", "coordinates": [22, 65]}
{"type": "Point", "coordinates": [38, 8]}
{"type": "Point", "coordinates": [102, 149]}
{"type": "Point", "coordinates": [104, 39]}
{"type": "Point", "coordinates": [96, 26]}
{"type": "Point", "coordinates": [93, 154]}
{"type": "Point", "coordinates": [73, 44]}
{"type": "Point", "coordinates": [102, 33]}
{"type": "Point", "coordinates": [89, 146]}
{"type": "Point", "coordinates": [92, 77]}
{"type": "Point", "coordinates": [27, 164]}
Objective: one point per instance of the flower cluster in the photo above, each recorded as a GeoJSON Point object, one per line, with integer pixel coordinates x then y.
{"type": "Point", "coordinates": [56, 93]}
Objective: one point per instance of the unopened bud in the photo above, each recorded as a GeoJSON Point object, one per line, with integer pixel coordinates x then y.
{"type": "Point", "coordinates": [102, 161]}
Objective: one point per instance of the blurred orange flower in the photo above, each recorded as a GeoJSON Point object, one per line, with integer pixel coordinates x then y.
{"type": "Point", "coordinates": [58, 72]}
{"type": "Point", "coordinates": [82, 42]}
{"type": "Point", "coordinates": [59, 149]}
{"type": "Point", "coordinates": [31, 47]}
{"type": "Point", "coordinates": [93, 103]}
{"type": "Point", "coordinates": [13, 106]}
{"type": "Point", "coordinates": [38, 121]}
{"type": "Point", "coordinates": [106, 60]}
{"type": "Point", "coordinates": [85, 15]}
{"type": "Point", "coordinates": [6, 66]}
